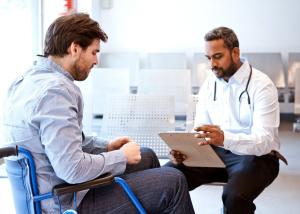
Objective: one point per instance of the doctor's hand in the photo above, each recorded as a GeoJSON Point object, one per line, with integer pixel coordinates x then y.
{"type": "Point", "coordinates": [117, 143]}
{"type": "Point", "coordinates": [212, 133]}
{"type": "Point", "coordinates": [177, 157]}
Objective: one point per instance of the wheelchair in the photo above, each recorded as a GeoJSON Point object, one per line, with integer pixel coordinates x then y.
{"type": "Point", "coordinates": [60, 189]}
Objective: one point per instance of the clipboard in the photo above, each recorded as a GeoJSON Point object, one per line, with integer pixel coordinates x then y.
{"type": "Point", "coordinates": [187, 144]}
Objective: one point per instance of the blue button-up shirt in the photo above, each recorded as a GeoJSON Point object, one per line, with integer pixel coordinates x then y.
{"type": "Point", "coordinates": [43, 113]}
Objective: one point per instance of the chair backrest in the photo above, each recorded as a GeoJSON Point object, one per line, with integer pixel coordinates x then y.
{"type": "Point", "coordinates": [293, 80]}
{"type": "Point", "coordinates": [201, 69]}
{"type": "Point", "coordinates": [22, 177]}
{"type": "Point", "coordinates": [18, 174]}
{"type": "Point", "coordinates": [167, 82]}
{"type": "Point", "coordinates": [269, 63]}
{"type": "Point", "coordinates": [191, 112]}
{"type": "Point", "coordinates": [165, 61]}
{"type": "Point", "coordinates": [140, 117]}
{"type": "Point", "coordinates": [123, 60]}
{"type": "Point", "coordinates": [293, 66]}
{"type": "Point", "coordinates": [105, 82]}
{"type": "Point", "coordinates": [297, 92]}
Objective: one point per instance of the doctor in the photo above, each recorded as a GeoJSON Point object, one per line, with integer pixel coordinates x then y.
{"type": "Point", "coordinates": [238, 114]}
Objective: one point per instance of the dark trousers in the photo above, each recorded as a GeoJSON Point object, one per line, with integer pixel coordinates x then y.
{"type": "Point", "coordinates": [246, 176]}
{"type": "Point", "coordinates": [160, 190]}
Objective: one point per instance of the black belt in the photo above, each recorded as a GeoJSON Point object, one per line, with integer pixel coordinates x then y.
{"type": "Point", "coordinates": [279, 156]}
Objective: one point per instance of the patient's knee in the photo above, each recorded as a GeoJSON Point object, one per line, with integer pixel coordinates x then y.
{"type": "Point", "coordinates": [149, 154]}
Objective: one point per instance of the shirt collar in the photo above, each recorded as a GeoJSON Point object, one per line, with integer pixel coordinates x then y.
{"type": "Point", "coordinates": [46, 63]}
{"type": "Point", "coordinates": [242, 73]}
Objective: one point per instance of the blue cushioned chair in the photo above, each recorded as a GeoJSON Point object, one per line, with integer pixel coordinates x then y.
{"type": "Point", "coordinates": [28, 200]}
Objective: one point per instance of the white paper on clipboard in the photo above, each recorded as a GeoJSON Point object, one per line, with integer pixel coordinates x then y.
{"type": "Point", "coordinates": [187, 144]}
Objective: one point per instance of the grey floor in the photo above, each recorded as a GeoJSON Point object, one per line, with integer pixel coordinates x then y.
{"type": "Point", "coordinates": [282, 196]}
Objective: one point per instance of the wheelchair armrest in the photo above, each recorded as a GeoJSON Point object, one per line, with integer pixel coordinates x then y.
{"type": "Point", "coordinates": [64, 188]}
{"type": "Point", "coordinates": [8, 151]}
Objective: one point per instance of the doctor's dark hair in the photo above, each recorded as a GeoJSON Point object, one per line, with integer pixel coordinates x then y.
{"type": "Point", "coordinates": [230, 39]}
{"type": "Point", "coordinates": [78, 28]}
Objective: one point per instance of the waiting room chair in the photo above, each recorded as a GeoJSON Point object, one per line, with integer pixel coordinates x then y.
{"type": "Point", "coordinates": [141, 117]}
{"type": "Point", "coordinates": [122, 60]}
{"type": "Point", "coordinates": [271, 64]}
{"type": "Point", "coordinates": [297, 93]}
{"type": "Point", "coordinates": [191, 112]}
{"type": "Point", "coordinates": [293, 79]}
{"type": "Point", "coordinates": [293, 67]}
{"type": "Point", "coordinates": [105, 82]}
{"type": "Point", "coordinates": [201, 69]}
{"type": "Point", "coordinates": [167, 82]}
{"type": "Point", "coordinates": [165, 61]}
{"type": "Point", "coordinates": [29, 200]}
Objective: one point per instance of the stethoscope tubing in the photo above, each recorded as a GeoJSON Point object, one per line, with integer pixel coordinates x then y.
{"type": "Point", "coordinates": [245, 91]}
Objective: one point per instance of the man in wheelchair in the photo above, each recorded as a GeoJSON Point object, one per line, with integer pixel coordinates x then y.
{"type": "Point", "coordinates": [43, 114]}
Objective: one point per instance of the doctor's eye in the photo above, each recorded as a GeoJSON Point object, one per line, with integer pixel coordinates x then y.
{"type": "Point", "coordinates": [218, 56]}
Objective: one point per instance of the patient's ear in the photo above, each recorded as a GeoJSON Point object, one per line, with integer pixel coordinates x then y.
{"type": "Point", "coordinates": [74, 49]}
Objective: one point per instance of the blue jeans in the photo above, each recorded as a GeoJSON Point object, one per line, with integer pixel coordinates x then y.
{"type": "Point", "coordinates": [246, 176]}
{"type": "Point", "coordinates": [160, 190]}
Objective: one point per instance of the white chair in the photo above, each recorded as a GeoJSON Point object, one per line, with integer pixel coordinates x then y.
{"type": "Point", "coordinates": [101, 83]}
{"type": "Point", "coordinates": [127, 60]}
{"type": "Point", "coordinates": [106, 82]}
{"type": "Point", "coordinates": [140, 117]}
{"type": "Point", "coordinates": [293, 66]}
{"type": "Point", "coordinates": [269, 63]}
{"type": "Point", "coordinates": [191, 112]}
{"type": "Point", "coordinates": [201, 70]}
{"type": "Point", "coordinates": [170, 82]}
{"type": "Point", "coordinates": [165, 61]}
{"type": "Point", "coordinates": [296, 125]}
{"type": "Point", "coordinates": [272, 65]}
{"type": "Point", "coordinates": [297, 92]}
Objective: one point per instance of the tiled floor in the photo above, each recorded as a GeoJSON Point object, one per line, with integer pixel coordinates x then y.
{"type": "Point", "coordinates": [282, 196]}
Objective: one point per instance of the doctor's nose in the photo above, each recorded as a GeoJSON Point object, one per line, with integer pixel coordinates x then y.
{"type": "Point", "coordinates": [212, 63]}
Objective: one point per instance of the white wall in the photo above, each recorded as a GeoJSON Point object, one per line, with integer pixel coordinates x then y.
{"type": "Point", "coordinates": [179, 25]}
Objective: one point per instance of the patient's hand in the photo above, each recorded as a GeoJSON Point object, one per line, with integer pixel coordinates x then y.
{"type": "Point", "coordinates": [118, 143]}
{"type": "Point", "coordinates": [177, 157]}
{"type": "Point", "coordinates": [132, 152]}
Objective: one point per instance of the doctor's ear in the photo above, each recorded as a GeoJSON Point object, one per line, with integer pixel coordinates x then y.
{"type": "Point", "coordinates": [235, 53]}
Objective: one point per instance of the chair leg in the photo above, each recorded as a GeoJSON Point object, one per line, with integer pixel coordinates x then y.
{"type": "Point", "coordinates": [130, 194]}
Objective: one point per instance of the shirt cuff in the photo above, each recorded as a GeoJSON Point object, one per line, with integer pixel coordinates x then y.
{"type": "Point", "coordinates": [229, 138]}
{"type": "Point", "coordinates": [115, 162]}
{"type": "Point", "coordinates": [103, 143]}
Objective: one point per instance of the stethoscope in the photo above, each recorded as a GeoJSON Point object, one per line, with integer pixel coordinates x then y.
{"type": "Point", "coordinates": [243, 92]}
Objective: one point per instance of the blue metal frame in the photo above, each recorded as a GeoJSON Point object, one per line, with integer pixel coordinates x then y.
{"type": "Point", "coordinates": [36, 195]}
{"type": "Point", "coordinates": [130, 194]}
{"type": "Point", "coordinates": [37, 198]}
